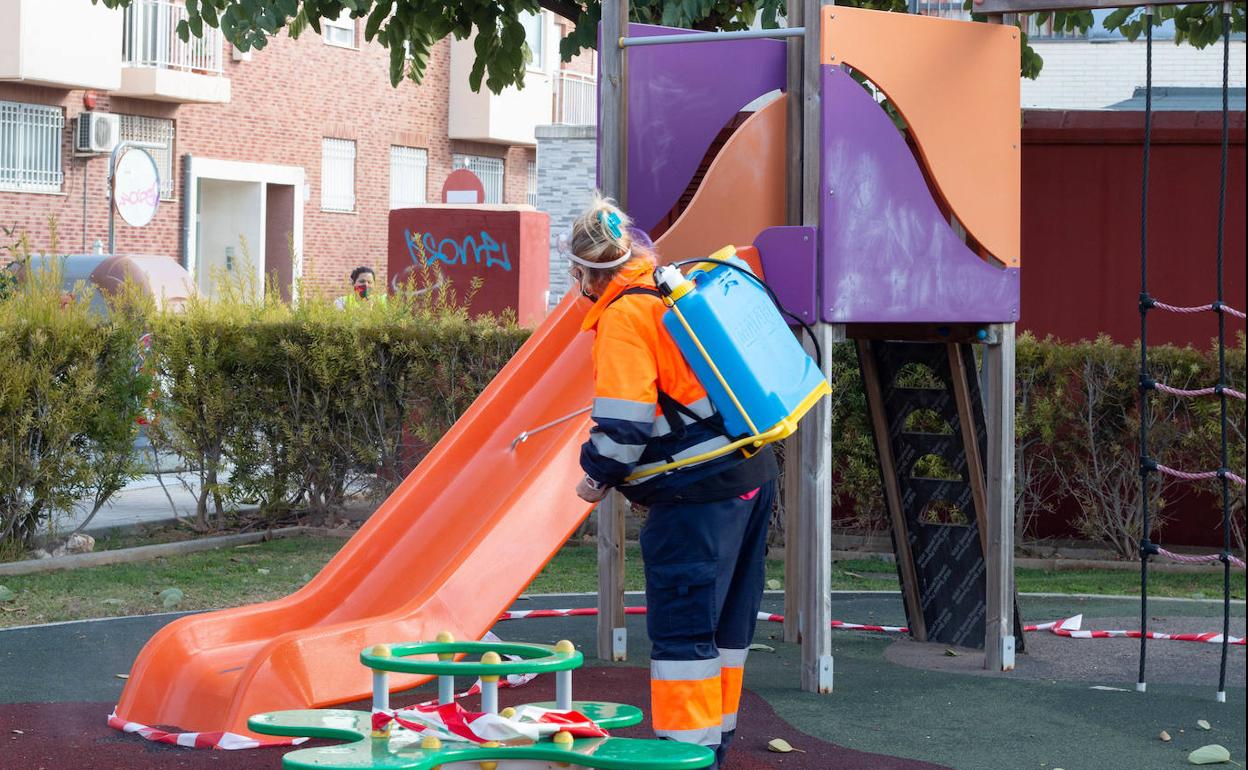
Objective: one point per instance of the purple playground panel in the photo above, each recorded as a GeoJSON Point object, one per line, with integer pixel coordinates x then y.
{"type": "Point", "coordinates": [788, 255]}
{"type": "Point", "coordinates": [889, 256]}
{"type": "Point", "coordinates": [679, 98]}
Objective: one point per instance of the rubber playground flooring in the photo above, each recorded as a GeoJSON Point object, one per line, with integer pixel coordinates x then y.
{"type": "Point", "coordinates": [897, 705]}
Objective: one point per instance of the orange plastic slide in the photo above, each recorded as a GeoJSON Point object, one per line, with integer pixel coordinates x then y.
{"type": "Point", "coordinates": [451, 548]}
{"type": "Point", "coordinates": [464, 534]}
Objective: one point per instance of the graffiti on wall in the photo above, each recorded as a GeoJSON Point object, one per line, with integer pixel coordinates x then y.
{"type": "Point", "coordinates": [426, 248]}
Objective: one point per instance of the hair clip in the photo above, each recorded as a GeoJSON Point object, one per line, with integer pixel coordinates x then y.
{"type": "Point", "coordinates": [611, 221]}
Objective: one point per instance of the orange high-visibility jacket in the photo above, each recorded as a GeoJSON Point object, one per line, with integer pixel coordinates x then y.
{"type": "Point", "coordinates": [637, 365]}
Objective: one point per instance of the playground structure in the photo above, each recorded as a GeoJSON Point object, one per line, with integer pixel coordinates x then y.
{"type": "Point", "coordinates": [437, 735]}
{"type": "Point", "coordinates": [872, 253]}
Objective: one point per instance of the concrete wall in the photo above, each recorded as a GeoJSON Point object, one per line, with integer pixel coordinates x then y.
{"type": "Point", "coordinates": [1081, 75]}
{"type": "Point", "coordinates": [566, 170]}
{"type": "Point", "coordinates": [64, 43]}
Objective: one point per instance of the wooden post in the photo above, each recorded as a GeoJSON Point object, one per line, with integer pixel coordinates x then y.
{"type": "Point", "coordinates": [999, 554]}
{"type": "Point", "coordinates": [815, 437]}
{"type": "Point", "coordinates": [612, 633]}
{"type": "Point", "coordinates": [613, 181]}
{"type": "Point", "coordinates": [789, 494]}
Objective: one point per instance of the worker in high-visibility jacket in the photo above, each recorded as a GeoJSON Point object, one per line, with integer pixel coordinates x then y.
{"type": "Point", "coordinates": [705, 537]}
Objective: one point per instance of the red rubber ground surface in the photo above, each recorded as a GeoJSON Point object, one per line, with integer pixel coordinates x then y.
{"type": "Point", "coordinates": [59, 736]}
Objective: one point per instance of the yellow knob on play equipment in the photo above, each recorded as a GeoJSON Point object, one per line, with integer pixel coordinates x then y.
{"type": "Point", "coordinates": [507, 713]}
{"type": "Point", "coordinates": [445, 637]}
{"type": "Point", "coordinates": [490, 765]}
{"type": "Point", "coordinates": [430, 743]}
{"type": "Point", "coordinates": [380, 651]}
{"type": "Point", "coordinates": [563, 645]}
{"type": "Point", "coordinates": [563, 738]}
{"type": "Point", "coordinates": [491, 658]}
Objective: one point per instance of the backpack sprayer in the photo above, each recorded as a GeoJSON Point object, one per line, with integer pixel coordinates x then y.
{"type": "Point", "coordinates": [727, 324]}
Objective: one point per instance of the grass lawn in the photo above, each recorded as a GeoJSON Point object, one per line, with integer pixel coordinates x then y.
{"type": "Point", "coordinates": [252, 573]}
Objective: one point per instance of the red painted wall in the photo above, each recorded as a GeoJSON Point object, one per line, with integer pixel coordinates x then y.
{"type": "Point", "coordinates": [506, 248]}
{"type": "Point", "coordinates": [1081, 223]}
{"type": "Point", "coordinates": [1082, 175]}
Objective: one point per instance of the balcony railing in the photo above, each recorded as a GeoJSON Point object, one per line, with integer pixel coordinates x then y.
{"type": "Point", "coordinates": [576, 99]}
{"type": "Point", "coordinates": [150, 39]}
{"type": "Point", "coordinates": [954, 9]}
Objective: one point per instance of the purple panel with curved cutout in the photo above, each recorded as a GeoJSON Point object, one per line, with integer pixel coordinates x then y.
{"type": "Point", "coordinates": [788, 255]}
{"type": "Point", "coordinates": [679, 98]}
{"type": "Point", "coordinates": [889, 255]}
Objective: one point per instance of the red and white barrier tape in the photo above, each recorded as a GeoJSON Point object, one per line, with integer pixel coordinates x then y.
{"type": "Point", "coordinates": [219, 740]}
{"type": "Point", "coordinates": [1071, 627]}
{"type": "Point", "coordinates": [453, 722]}
{"type": "Point", "coordinates": [1203, 559]}
{"type": "Point", "coordinates": [1078, 633]}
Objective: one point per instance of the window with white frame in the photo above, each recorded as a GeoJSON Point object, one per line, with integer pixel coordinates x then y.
{"type": "Point", "coordinates": [156, 135]}
{"type": "Point", "coordinates": [532, 183]}
{"type": "Point", "coordinates": [409, 167]}
{"type": "Point", "coordinates": [30, 147]}
{"type": "Point", "coordinates": [339, 31]}
{"type": "Point", "coordinates": [337, 175]}
{"type": "Point", "coordinates": [535, 36]}
{"type": "Point", "coordinates": [488, 170]}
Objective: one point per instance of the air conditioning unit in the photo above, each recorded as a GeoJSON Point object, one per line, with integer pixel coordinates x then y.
{"type": "Point", "coordinates": [97, 132]}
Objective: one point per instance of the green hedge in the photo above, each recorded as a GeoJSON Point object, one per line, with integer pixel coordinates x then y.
{"type": "Point", "coordinates": [289, 407]}
{"type": "Point", "coordinates": [1077, 431]}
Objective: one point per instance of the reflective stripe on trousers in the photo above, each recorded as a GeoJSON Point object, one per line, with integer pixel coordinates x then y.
{"type": "Point", "coordinates": [731, 672]}
{"type": "Point", "coordinates": [685, 700]}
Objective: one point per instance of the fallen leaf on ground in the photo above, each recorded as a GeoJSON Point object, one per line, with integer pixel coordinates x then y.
{"type": "Point", "coordinates": [761, 647]}
{"type": "Point", "coordinates": [19, 732]}
{"type": "Point", "coordinates": [1164, 736]}
{"type": "Point", "coordinates": [13, 609]}
{"type": "Point", "coordinates": [1202, 724]}
{"type": "Point", "coordinates": [1212, 754]}
{"type": "Point", "coordinates": [112, 602]}
{"type": "Point", "coordinates": [852, 574]}
{"type": "Point", "coordinates": [262, 571]}
{"type": "Point", "coordinates": [122, 676]}
{"type": "Point", "coordinates": [171, 597]}
{"type": "Point", "coordinates": [6, 594]}
{"type": "Point", "coordinates": [951, 652]}
{"type": "Point", "coordinates": [246, 545]}
{"type": "Point", "coordinates": [774, 585]}
{"type": "Point", "coordinates": [781, 746]}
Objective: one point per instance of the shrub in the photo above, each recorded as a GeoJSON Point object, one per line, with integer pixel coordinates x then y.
{"type": "Point", "coordinates": [70, 392]}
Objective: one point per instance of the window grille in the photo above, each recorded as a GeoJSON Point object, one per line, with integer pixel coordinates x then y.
{"type": "Point", "coordinates": [488, 170]}
{"type": "Point", "coordinates": [153, 131]}
{"type": "Point", "coordinates": [337, 175]}
{"type": "Point", "coordinates": [409, 167]}
{"type": "Point", "coordinates": [30, 147]}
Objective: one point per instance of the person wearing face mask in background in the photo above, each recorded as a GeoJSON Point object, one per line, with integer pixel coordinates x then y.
{"type": "Point", "coordinates": [705, 536]}
{"type": "Point", "coordinates": [362, 280]}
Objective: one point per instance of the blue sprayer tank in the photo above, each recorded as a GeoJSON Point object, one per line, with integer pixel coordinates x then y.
{"type": "Point", "coordinates": [738, 345]}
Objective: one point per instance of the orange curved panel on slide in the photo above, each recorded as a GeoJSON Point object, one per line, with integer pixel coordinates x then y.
{"type": "Point", "coordinates": [451, 548]}
{"type": "Point", "coordinates": [742, 193]}
{"type": "Point", "coordinates": [956, 84]}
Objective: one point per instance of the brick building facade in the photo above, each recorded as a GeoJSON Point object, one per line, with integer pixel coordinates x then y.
{"type": "Point", "coordinates": [283, 103]}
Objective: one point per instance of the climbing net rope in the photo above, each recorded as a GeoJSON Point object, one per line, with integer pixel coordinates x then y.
{"type": "Point", "coordinates": [1149, 465]}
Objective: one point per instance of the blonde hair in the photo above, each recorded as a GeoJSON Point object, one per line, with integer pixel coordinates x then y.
{"type": "Point", "coordinates": [602, 233]}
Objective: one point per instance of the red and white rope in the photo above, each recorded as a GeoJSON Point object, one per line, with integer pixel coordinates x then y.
{"type": "Point", "coordinates": [1197, 309]}
{"type": "Point", "coordinates": [1201, 476]}
{"type": "Point", "coordinates": [1202, 559]}
{"type": "Point", "coordinates": [1164, 388]}
{"type": "Point", "coordinates": [218, 740]}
